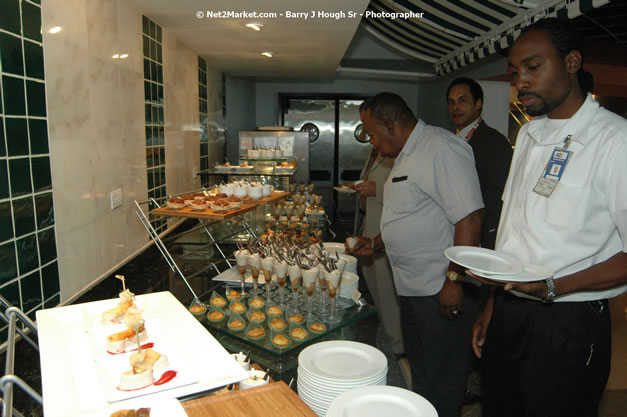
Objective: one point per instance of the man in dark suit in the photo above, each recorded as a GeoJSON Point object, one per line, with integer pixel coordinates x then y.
{"type": "Point", "coordinates": [492, 151]}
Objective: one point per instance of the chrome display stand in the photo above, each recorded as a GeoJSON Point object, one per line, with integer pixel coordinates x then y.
{"type": "Point", "coordinates": [10, 316]}
{"type": "Point", "coordinates": [204, 224]}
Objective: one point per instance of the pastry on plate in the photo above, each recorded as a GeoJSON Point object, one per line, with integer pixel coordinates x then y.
{"type": "Point", "coordinates": [280, 340]}
{"type": "Point", "coordinates": [216, 316]}
{"type": "Point", "coordinates": [298, 333]}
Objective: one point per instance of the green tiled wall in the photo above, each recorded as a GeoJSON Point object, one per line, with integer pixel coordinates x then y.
{"type": "Point", "coordinates": [154, 114]}
{"type": "Point", "coordinates": [29, 274]}
{"type": "Point", "coordinates": [204, 119]}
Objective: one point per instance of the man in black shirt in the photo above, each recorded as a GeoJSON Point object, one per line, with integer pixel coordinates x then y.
{"type": "Point", "coordinates": [492, 151]}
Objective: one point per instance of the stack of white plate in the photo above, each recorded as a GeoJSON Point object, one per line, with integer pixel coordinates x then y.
{"type": "Point", "coordinates": [351, 263]}
{"type": "Point", "coordinates": [333, 247]}
{"type": "Point", "coordinates": [380, 401]}
{"type": "Point", "coordinates": [327, 369]}
{"type": "Point", "coordinates": [348, 284]}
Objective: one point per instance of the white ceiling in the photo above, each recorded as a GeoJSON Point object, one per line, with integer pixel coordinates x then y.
{"type": "Point", "coordinates": [311, 47]}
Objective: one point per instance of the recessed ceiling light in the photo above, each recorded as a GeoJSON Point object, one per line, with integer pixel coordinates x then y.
{"type": "Point", "coordinates": [268, 54]}
{"type": "Point", "coordinates": [55, 29]}
{"type": "Point", "coordinates": [123, 56]}
{"type": "Point", "coordinates": [116, 56]}
{"type": "Point", "coordinates": [254, 26]}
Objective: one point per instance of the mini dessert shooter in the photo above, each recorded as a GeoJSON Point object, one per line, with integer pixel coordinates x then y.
{"type": "Point", "coordinates": [241, 257]}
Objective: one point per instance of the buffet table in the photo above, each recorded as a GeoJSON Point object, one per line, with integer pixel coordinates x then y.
{"type": "Point", "coordinates": [76, 369]}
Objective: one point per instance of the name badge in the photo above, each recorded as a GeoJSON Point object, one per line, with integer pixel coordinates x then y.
{"type": "Point", "coordinates": [553, 172]}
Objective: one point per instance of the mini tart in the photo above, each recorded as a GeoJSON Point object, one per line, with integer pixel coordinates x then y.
{"type": "Point", "coordinates": [197, 310]}
{"type": "Point", "coordinates": [233, 294]}
{"type": "Point", "coordinates": [274, 310]}
{"type": "Point", "coordinates": [298, 333]}
{"type": "Point", "coordinates": [257, 303]}
{"type": "Point", "coordinates": [281, 341]}
{"type": "Point", "coordinates": [278, 324]}
{"type": "Point", "coordinates": [218, 302]}
{"type": "Point", "coordinates": [257, 316]}
{"type": "Point", "coordinates": [317, 327]}
{"type": "Point", "coordinates": [237, 307]}
{"type": "Point", "coordinates": [216, 316]}
{"type": "Point", "coordinates": [296, 318]}
{"type": "Point", "coordinates": [256, 334]}
{"type": "Point", "coordinates": [236, 325]}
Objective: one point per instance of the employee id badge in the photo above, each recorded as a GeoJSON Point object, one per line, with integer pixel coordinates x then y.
{"type": "Point", "coordinates": [553, 172]}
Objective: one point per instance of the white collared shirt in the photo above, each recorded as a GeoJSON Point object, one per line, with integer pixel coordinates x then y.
{"type": "Point", "coordinates": [584, 221]}
{"type": "Point", "coordinates": [466, 130]}
{"type": "Point", "coordinates": [432, 186]}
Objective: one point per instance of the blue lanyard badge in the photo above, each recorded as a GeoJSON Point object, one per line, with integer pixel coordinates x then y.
{"type": "Point", "coordinates": [553, 170]}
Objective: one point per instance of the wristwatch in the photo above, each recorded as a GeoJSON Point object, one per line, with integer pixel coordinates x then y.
{"type": "Point", "coordinates": [454, 276]}
{"type": "Point", "coordinates": [550, 290]}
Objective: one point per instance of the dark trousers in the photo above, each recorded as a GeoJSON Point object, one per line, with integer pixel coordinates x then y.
{"type": "Point", "coordinates": [545, 360]}
{"type": "Point", "coordinates": [438, 350]}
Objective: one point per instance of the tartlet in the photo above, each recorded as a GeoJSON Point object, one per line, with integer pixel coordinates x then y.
{"type": "Point", "coordinates": [257, 316]}
{"type": "Point", "coordinates": [317, 327]}
{"type": "Point", "coordinates": [216, 316]}
{"type": "Point", "coordinates": [197, 310]}
{"type": "Point", "coordinates": [281, 341]}
{"type": "Point", "coordinates": [296, 318]}
{"type": "Point", "coordinates": [274, 310]}
{"type": "Point", "coordinates": [278, 324]}
{"type": "Point", "coordinates": [236, 325]}
{"type": "Point", "coordinates": [218, 302]}
{"type": "Point", "coordinates": [233, 294]}
{"type": "Point", "coordinates": [256, 333]}
{"type": "Point", "coordinates": [237, 307]}
{"type": "Point", "coordinates": [257, 303]}
{"type": "Point", "coordinates": [298, 333]}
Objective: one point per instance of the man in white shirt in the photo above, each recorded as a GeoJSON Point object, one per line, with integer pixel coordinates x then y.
{"type": "Point", "coordinates": [565, 209]}
{"type": "Point", "coordinates": [431, 201]}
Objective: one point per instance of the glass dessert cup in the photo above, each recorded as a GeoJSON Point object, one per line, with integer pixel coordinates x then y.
{"type": "Point", "coordinates": [323, 303]}
{"type": "Point", "coordinates": [280, 269]}
{"type": "Point", "coordinates": [267, 266]}
{"type": "Point", "coordinates": [241, 257]}
{"type": "Point", "coordinates": [295, 277]}
{"type": "Point", "coordinates": [309, 282]}
{"type": "Point", "coordinates": [254, 261]}
{"type": "Point", "coordinates": [333, 281]}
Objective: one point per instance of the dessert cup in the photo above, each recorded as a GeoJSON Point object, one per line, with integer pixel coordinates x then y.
{"type": "Point", "coordinates": [267, 266]}
{"type": "Point", "coordinates": [309, 281]}
{"type": "Point", "coordinates": [236, 322]}
{"type": "Point", "coordinates": [255, 331]}
{"type": "Point", "coordinates": [241, 257]}
{"type": "Point", "coordinates": [255, 379]}
{"type": "Point", "coordinates": [254, 261]}
{"type": "Point", "coordinates": [280, 269]}
{"type": "Point", "coordinates": [297, 332]}
{"type": "Point", "coordinates": [333, 282]}
{"type": "Point", "coordinates": [295, 278]}
{"type": "Point", "coordinates": [240, 358]}
{"type": "Point", "coordinates": [216, 314]}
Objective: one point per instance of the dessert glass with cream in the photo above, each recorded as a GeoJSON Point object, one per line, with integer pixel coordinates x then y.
{"type": "Point", "coordinates": [267, 266]}
{"type": "Point", "coordinates": [280, 269]}
{"type": "Point", "coordinates": [295, 277]}
{"type": "Point", "coordinates": [241, 257]}
{"type": "Point", "coordinates": [254, 260]}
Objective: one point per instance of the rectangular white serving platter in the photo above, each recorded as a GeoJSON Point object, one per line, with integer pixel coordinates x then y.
{"type": "Point", "coordinates": [232, 276]}
{"type": "Point", "coordinates": [70, 378]}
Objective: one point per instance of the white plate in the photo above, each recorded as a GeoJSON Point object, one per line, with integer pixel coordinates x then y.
{"type": "Point", "coordinates": [531, 273]}
{"type": "Point", "coordinates": [333, 247]}
{"type": "Point", "coordinates": [158, 408]}
{"type": "Point", "coordinates": [484, 260]}
{"type": "Point", "coordinates": [342, 360]}
{"type": "Point", "coordinates": [314, 383]}
{"type": "Point", "coordinates": [376, 401]}
{"type": "Point", "coordinates": [344, 189]}
{"type": "Point", "coordinates": [110, 369]}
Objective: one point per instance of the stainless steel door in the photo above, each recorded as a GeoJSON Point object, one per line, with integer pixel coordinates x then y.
{"type": "Point", "coordinates": [335, 157]}
{"type": "Point", "coordinates": [321, 150]}
{"type": "Point", "coordinates": [352, 156]}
